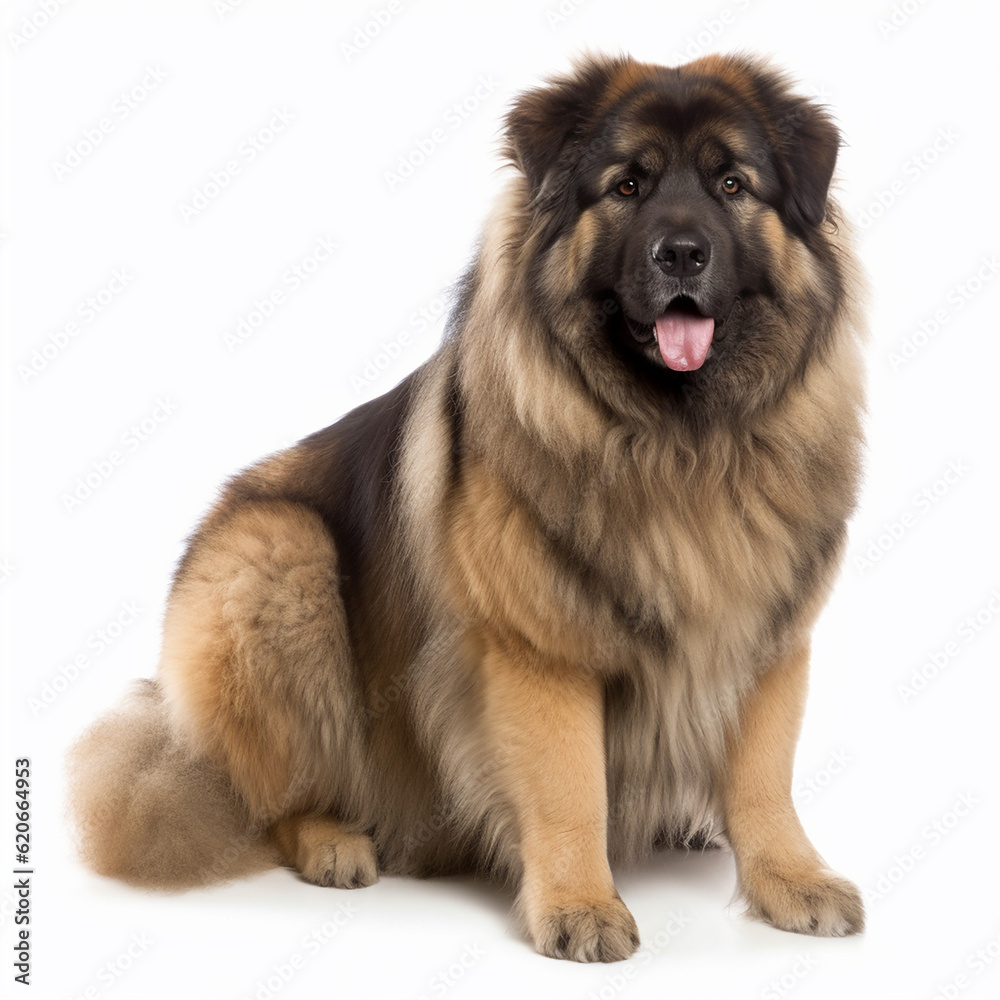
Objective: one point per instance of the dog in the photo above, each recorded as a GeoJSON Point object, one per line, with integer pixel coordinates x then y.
{"type": "Point", "coordinates": [546, 604]}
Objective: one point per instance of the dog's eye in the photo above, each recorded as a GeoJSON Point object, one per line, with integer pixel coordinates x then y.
{"type": "Point", "coordinates": [731, 185]}
{"type": "Point", "coordinates": [628, 187]}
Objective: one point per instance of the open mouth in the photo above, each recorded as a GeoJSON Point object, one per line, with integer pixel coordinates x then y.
{"type": "Point", "coordinates": [683, 334]}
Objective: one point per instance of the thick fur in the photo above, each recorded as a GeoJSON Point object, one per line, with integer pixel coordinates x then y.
{"type": "Point", "coordinates": [546, 604]}
{"type": "Point", "coordinates": [147, 805]}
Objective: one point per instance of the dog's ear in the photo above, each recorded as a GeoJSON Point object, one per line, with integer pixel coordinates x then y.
{"type": "Point", "coordinates": [546, 128]}
{"type": "Point", "coordinates": [805, 141]}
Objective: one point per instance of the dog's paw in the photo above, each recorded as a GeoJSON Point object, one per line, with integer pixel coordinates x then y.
{"type": "Point", "coordinates": [345, 862]}
{"type": "Point", "coordinates": [586, 932]}
{"type": "Point", "coordinates": [815, 901]}
{"type": "Point", "coordinates": [325, 852]}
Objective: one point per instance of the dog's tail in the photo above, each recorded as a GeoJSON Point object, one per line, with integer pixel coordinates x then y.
{"type": "Point", "coordinates": [150, 811]}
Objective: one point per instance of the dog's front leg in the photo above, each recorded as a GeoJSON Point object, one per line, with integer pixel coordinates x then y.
{"type": "Point", "coordinates": [547, 732]}
{"type": "Point", "coordinates": [782, 877]}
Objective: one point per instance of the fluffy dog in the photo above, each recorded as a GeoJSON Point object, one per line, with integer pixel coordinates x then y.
{"type": "Point", "coordinates": [547, 603]}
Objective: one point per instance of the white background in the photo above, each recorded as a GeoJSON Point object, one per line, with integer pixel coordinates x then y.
{"type": "Point", "coordinates": [879, 762]}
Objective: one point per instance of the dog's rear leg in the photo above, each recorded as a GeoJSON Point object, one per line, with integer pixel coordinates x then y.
{"type": "Point", "coordinates": [258, 670]}
{"type": "Point", "coordinates": [326, 852]}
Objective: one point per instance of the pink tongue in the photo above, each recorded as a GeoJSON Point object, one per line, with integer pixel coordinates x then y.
{"type": "Point", "coordinates": [684, 339]}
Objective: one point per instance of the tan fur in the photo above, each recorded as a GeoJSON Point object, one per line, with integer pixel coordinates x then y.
{"type": "Point", "coordinates": [327, 852]}
{"type": "Point", "coordinates": [783, 879]}
{"type": "Point", "coordinates": [146, 806]}
{"type": "Point", "coordinates": [252, 620]}
{"type": "Point", "coordinates": [545, 726]}
{"type": "Point", "coordinates": [519, 616]}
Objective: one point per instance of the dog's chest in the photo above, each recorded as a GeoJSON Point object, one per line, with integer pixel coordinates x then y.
{"type": "Point", "coordinates": [719, 569]}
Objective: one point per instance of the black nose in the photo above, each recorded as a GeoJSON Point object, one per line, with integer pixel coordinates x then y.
{"type": "Point", "coordinates": [682, 255]}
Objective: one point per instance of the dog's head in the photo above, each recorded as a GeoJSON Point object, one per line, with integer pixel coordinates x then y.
{"type": "Point", "coordinates": [685, 206]}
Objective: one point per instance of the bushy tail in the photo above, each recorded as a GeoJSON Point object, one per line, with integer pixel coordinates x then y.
{"type": "Point", "coordinates": [151, 812]}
